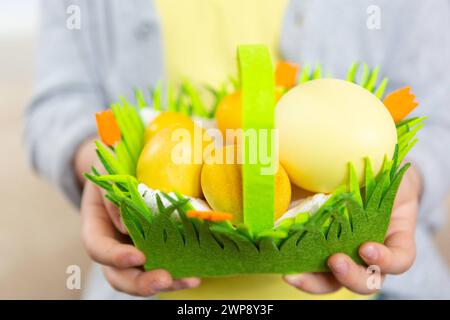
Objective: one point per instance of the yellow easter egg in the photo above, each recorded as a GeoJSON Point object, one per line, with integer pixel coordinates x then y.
{"type": "Point", "coordinates": [172, 160]}
{"type": "Point", "coordinates": [221, 183]}
{"type": "Point", "coordinates": [164, 120]}
{"type": "Point", "coordinates": [229, 112]}
{"type": "Point", "coordinates": [325, 124]}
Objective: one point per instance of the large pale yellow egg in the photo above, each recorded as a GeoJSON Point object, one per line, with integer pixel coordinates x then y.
{"type": "Point", "coordinates": [325, 124]}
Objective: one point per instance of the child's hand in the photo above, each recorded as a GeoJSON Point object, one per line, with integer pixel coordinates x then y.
{"type": "Point", "coordinates": [394, 257]}
{"type": "Point", "coordinates": [105, 239]}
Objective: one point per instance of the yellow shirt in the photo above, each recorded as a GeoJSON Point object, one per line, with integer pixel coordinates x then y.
{"type": "Point", "coordinates": [201, 36]}
{"type": "Point", "coordinates": [200, 40]}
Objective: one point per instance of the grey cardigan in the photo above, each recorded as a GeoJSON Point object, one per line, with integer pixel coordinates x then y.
{"type": "Point", "coordinates": [118, 47]}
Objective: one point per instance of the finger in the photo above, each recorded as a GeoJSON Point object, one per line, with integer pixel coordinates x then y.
{"type": "Point", "coordinates": [137, 282]}
{"type": "Point", "coordinates": [403, 219]}
{"type": "Point", "coordinates": [115, 216]}
{"type": "Point", "coordinates": [399, 250]}
{"type": "Point", "coordinates": [316, 283]}
{"type": "Point", "coordinates": [185, 283]}
{"type": "Point", "coordinates": [102, 241]}
{"type": "Point", "coordinates": [352, 276]}
{"type": "Point", "coordinates": [110, 252]}
{"type": "Point", "coordinates": [390, 258]}
{"type": "Point", "coordinates": [410, 187]}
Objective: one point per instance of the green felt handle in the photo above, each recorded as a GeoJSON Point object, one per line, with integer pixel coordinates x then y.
{"type": "Point", "coordinates": [258, 101]}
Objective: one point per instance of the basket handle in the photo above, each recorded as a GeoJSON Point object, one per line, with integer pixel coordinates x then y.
{"type": "Point", "coordinates": [258, 121]}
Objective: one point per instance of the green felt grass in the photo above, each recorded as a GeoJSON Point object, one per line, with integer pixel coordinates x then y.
{"type": "Point", "coordinates": [191, 247]}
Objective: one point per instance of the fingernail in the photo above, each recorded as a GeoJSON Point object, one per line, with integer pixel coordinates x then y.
{"type": "Point", "coordinates": [370, 252]}
{"type": "Point", "coordinates": [191, 283]}
{"type": "Point", "coordinates": [134, 260]}
{"type": "Point", "coordinates": [160, 285]}
{"type": "Point", "coordinates": [340, 267]}
{"type": "Point", "coordinates": [294, 279]}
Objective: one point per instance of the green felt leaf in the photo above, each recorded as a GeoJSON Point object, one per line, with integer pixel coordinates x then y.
{"type": "Point", "coordinates": [406, 125]}
{"type": "Point", "coordinates": [185, 99]}
{"type": "Point", "coordinates": [221, 229]}
{"type": "Point", "coordinates": [405, 149]}
{"type": "Point", "coordinates": [272, 234]}
{"type": "Point", "coordinates": [369, 179]}
{"type": "Point", "coordinates": [379, 92]}
{"type": "Point", "coordinates": [365, 76]}
{"type": "Point", "coordinates": [198, 108]}
{"type": "Point", "coordinates": [286, 224]}
{"type": "Point", "coordinates": [387, 167]}
{"type": "Point", "coordinates": [101, 184]}
{"type": "Point", "coordinates": [351, 73]}
{"type": "Point", "coordinates": [258, 113]}
{"type": "Point", "coordinates": [183, 106]}
{"type": "Point", "coordinates": [119, 194]}
{"type": "Point", "coordinates": [394, 163]}
{"type": "Point", "coordinates": [408, 136]}
{"type": "Point", "coordinates": [111, 164]}
{"type": "Point", "coordinates": [245, 231]}
{"type": "Point", "coordinates": [156, 96]}
{"type": "Point", "coordinates": [317, 73]}
{"type": "Point", "coordinates": [388, 201]}
{"type": "Point", "coordinates": [143, 218]}
{"type": "Point", "coordinates": [171, 99]}
{"type": "Point", "coordinates": [140, 100]}
{"type": "Point", "coordinates": [132, 224]}
{"type": "Point", "coordinates": [131, 127]}
{"type": "Point", "coordinates": [305, 73]}
{"type": "Point", "coordinates": [301, 218]}
{"type": "Point", "coordinates": [122, 178]}
{"type": "Point", "coordinates": [354, 184]}
{"type": "Point", "coordinates": [114, 199]}
{"type": "Point", "coordinates": [136, 197]}
{"type": "Point", "coordinates": [375, 198]}
{"type": "Point", "coordinates": [371, 82]}
{"type": "Point", "coordinates": [123, 156]}
{"type": "Point", "coordinates": [368, 78]}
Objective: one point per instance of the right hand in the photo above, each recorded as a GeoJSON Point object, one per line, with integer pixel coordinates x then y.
{"type": "Point", "coordinates": [106, 241]}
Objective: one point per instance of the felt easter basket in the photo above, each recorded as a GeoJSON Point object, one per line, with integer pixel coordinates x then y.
{"type": "Point", "coordinates": [187, 246]}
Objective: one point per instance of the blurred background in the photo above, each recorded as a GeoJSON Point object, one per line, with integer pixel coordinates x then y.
{"type": "Point", "coordinates": [39, 230]}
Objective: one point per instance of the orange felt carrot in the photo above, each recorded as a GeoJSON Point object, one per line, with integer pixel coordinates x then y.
{"type": "Point", "coordinates": [210, 215]}
{"type": "Point", "coordinates": [286, 74]}
{"type": "Point", "coordinates": [107, 127]}
{"type": "Point", "coordinates": [400, 103]}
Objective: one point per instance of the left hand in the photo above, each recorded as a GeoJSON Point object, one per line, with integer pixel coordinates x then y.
{"type": "Point", "coordinates": [395, 256]}
{"type": "Point", "coordinates": [106, 239]}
